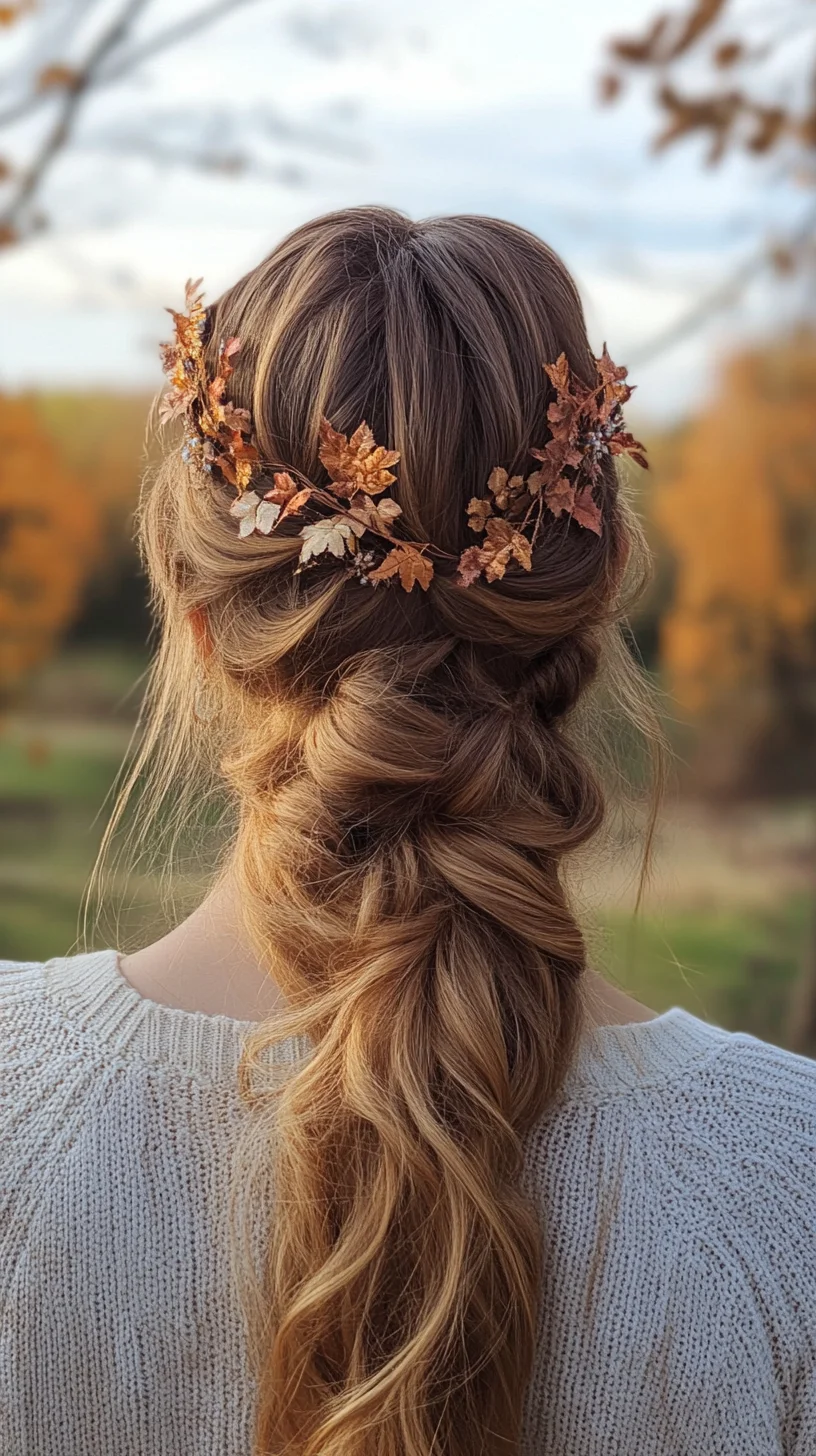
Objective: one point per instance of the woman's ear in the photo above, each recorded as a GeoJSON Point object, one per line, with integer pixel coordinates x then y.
{"type": "Point", "coordinates": [197, 617]}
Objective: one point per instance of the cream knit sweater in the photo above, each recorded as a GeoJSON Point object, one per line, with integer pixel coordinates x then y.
{"type": "Point", "coordinates": [676, 1177]}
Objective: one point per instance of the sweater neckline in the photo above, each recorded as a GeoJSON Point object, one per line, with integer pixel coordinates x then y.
{"type": "Point", "coordinates": [91, 989]}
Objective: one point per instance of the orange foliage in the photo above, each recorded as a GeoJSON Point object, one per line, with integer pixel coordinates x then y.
{"type": "Point", "coordinates": [48, 537]}
{"type": "Point", "coordinates": [740, 517]}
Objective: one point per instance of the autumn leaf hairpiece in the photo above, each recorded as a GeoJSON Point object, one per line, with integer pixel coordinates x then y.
{"type": "Point", "coordinates": [586, 424]}
{"type": "Point", "coordinates": [218, 434]}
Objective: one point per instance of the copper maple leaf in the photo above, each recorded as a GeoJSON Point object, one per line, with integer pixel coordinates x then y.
{"type": "Point", "coordinates": [564, 408]}
{"type": "Point", "coordinates": [287, 494]}
{"type": "Point", "coordinates": [560, 496]}
{"type": "Point", "coordinates": [218, 433]}
{"type": "Point", "coordinates": [235, 458]}
{"type": "Point", "coordinates": [358, 463]}
{"type": "Point", "coordinates": [562, 452]}
{"type": "Point", "coordinates": [189, 326]}
{"type": "Point", "coordinates": [536, 481]}
{"type": "Point", "coordinates": [407, 562]}
{"type": "Point", "coordinates": [624, 443]}
{"type": "Point", "coordinates": [237, 419]}
{"type": "Point", "coordinates": [295, 503]}
{"type": "Point", "coordinates": [559, 374]}
{"type": "Point", "coordinates": [504, 488]}
{"type": "Point", "coordinates": [217, 387]}
{"type": "Point", "coordinates": [502, 544]}
{"type": "Point", "coordinates": [284, 488]}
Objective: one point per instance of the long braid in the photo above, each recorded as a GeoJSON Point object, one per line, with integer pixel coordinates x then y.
{"type": "Point", "coordinates": [437, 960]}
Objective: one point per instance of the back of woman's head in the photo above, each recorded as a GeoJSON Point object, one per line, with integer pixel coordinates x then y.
{"type": "Point", "coordinates": [408, 780]}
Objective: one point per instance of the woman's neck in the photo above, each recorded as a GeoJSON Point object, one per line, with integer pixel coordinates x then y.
{"type": "Point", "coordinates": [207, 964]}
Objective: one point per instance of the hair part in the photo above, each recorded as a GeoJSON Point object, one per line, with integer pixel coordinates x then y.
{"type": "Point", "coordinates": [409, 773]}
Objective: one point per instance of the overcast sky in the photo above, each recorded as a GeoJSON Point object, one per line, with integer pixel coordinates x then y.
{"type": "Point", "coordinates": [456, 106]}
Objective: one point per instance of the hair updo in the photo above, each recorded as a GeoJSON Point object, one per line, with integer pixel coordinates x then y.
{"type": "Point", "coordinates": [408, 778]}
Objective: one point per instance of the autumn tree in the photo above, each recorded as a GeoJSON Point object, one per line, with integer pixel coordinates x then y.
{"type": "Point", "coordinates": [740, 641]}
{"type": "Point", "coordinates": [739, 515]}
{"type": "Point", "coordinates": [49, 532]}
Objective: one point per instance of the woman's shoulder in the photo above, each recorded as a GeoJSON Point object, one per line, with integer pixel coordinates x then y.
{"type": "Point", "coordinates": [765, 1072]}
{"type": "Point", "coordinates": [706, 1113]}
{"type": "Point", "coordinates": [87, 1065]}
{"type": "Point", "coordinates": [678, 1054]}
{"type": "Point", "coordinates": [27, 1007]}
{"type": "Point", "coordinates": [685, 1159]}
{"type": "Point", "coordinates": [758, 1096]}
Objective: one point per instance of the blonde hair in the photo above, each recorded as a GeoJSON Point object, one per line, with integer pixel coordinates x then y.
{"type": "Point", "coordinates": [409, 772]}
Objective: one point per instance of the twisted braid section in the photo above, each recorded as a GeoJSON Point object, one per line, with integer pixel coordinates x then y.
{"type": "Point", "coordinates": [404, 879]}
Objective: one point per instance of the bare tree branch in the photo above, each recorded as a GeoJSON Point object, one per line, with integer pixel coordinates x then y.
{"type": "Point", "coordinates": [71, 103]}
{"type": "Point", "coordinates": [165, 39]}
{"type": "Point", "coordinates": [173, 35]}
{"type": "Point", "coordinates": [208, 142]}
{"type": "Point", "coordinates": [744, 103]}
{"type": "Point", "coordinates": [216, 142]}
{"type": "Point", "coordinates": [732, 111]}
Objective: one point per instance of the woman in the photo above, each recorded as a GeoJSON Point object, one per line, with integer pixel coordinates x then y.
{"type": "Point", "coordinates": [364, 1157]}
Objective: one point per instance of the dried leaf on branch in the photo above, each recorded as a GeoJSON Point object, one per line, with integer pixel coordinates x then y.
{"type": "Point", "coordinates": [331, 535]}
{"type": "Point", "coordinates": [730, 108]}
{"type": "Point", "coordinates": [586, 423]}
{"type": "Point", "coordinates": [219, 435]}
{"type": "Point", "coordinates": [408, 563]}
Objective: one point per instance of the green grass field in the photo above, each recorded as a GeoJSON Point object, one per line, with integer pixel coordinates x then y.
{"type": "Point", "coordinates": [720, 934]}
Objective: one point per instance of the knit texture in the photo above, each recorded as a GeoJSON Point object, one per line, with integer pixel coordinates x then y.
{"type": "Point", "coordinates": [675, 1178]}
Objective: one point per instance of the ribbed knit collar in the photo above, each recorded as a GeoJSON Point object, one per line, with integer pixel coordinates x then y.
{"type": "Point", "coordinates": [91, 990]}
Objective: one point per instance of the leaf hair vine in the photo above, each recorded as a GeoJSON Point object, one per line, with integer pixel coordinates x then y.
{"type": "Point", "coordinates": [586, 425]}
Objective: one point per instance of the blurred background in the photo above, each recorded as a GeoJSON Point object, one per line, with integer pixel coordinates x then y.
{"type": "Point", "coordinates": [668, 154]}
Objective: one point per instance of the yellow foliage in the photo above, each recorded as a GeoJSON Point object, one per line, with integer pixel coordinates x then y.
{"type": "Point", "coordinates": [48, 537]}
{"type": "Point", "coordinates": [740, 518]}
